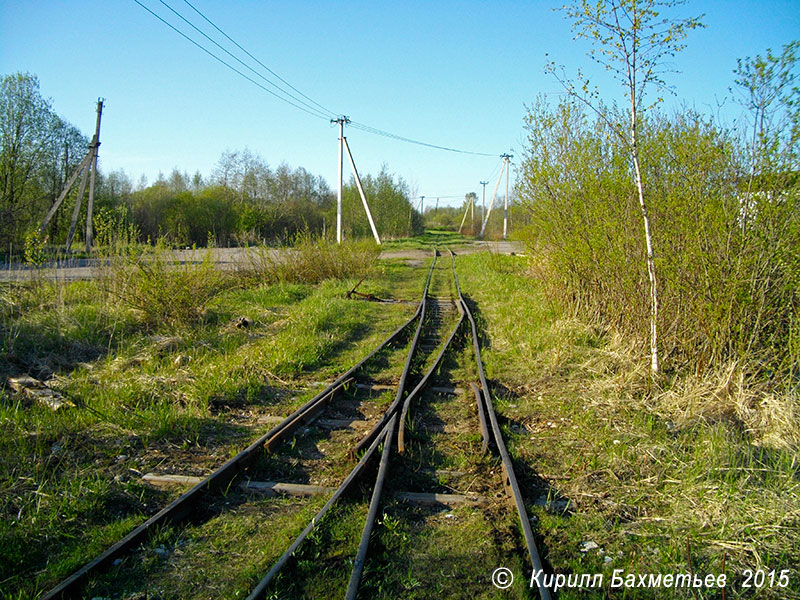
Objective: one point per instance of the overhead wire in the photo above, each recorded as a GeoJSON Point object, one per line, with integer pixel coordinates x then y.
{"type": "Point", "coordinates": [495, 171]}
{"type": "Point", "coordinates": [231, 67]}
{"type": "Point", "coordinates": [245, 65]}
{"type": "Point", "coordinates": [401, 138]}
{"type": "Point", "coordinates": [318, 110]}
{"type": "Point", "coordinates": [235, 43]}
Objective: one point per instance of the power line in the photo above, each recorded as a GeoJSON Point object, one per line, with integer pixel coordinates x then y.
{"type": "Point", "coordinates": [496, 169]}
{"type": "Point", "coordinates": [237, 59]}
{"type": "Point", "coordinates": [231, 67]}
{"type": "Point", "coordinates": [321, 112]}
{"type": "Point", "coordinates": [387, 134]}
{"type": "Point", "coordinates": [235, 43]}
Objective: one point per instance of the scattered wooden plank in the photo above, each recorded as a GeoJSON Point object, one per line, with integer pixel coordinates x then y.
{"type": "Point", "coordinates": [425, 499]}
{"type": "Point", "coordinates": [39, 391]}
{"type": "Point", "coordinates": [342, 423]}
{"type": "Point", "coordinates": [268, 488]}
{"type": "Point", "coordinates": [167, 480]}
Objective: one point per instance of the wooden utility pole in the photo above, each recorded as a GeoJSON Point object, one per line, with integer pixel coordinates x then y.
{"type": "Point", "coordinates": [507, 158]}
{"type": "Point", "coordinates": [494, 195]}
{"type": "Point", "coordinates": [341, 121]}
{"type": "Point", "coordinates": [483, 205]}
{"type": "Point", "coordinates": [87, 165]}
{"type": "Point", "coordinates": [90, 205]}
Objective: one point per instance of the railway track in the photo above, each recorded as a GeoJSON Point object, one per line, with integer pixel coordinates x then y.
{"type": "Point", "coordinates": [399, 453]}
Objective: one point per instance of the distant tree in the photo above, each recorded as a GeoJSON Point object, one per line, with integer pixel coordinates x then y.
{"type": "Point", "coordinates": [767, 87]}
{"type": "Point", "coordinates": [388, 200]}
{"type": "Point", "coordinates": [630, 39]}
{"type": "Point", "coordinates": [38, 151]}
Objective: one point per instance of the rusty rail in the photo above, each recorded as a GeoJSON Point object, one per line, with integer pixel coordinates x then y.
{"type": "Point", "coordinates": [509, 477]}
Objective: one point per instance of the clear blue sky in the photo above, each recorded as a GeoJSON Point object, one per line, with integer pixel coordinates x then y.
{"type": "Point", "coordinates": [455, 74]}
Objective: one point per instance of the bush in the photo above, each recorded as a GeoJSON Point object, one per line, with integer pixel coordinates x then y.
{"type": "Point", "coordinates": [167, 290]}
{"type": "Point", "coordinates": [728, 268]}
{"type": "Point", "coordinates": [311, 260]}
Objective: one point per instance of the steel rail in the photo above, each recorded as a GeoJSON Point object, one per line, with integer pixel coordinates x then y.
{"type": "Point", "coordinates": [383, 430]}
{"type": "Point", "coordinates": [401, 445]}
{"type": "Point", "coordinates": [481, 418]}
{"type": "Point", "coordinates": [437, 361]}
{"type": "Point", "coordinates": [369, 522]}
{"type": "Point", "coordinates": [379, 426]}
{"type": "Point", "coordinates": [181, 507]}
{"type": "Point", "coordinates": [509, 479]}
{"type": "Point", "coordinates": [260, 590]}
{"type": "Point", "coordinates": [363, 546]}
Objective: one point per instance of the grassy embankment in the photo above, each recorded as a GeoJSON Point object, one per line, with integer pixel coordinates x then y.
{"type": "Point", "coordinates": [698, 476]}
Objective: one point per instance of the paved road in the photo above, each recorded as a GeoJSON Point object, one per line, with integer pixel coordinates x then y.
{"type": "Point", "coordinates": [224, 258]}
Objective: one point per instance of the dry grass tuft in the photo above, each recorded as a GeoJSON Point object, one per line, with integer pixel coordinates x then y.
{"type": "Point", "coordinates": [771, 418]}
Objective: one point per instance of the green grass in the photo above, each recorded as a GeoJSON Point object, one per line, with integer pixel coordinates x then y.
{"type": "Point", "coordinates": [170, 394]}
{"type": "Point", "coordinates": [658, 478]}
{"type": "Point", "coordinates": [661, 479]}
{"type": "Point", "coordinates": [431, 237]}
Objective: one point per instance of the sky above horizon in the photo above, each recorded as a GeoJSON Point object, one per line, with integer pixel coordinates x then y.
{"type": "Point", "coordinates": [453, 74]}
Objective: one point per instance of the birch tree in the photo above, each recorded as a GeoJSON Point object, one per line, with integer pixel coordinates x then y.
{"type": "Point", "coordinates": [632, 41]}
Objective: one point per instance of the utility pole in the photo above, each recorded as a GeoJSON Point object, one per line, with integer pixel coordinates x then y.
{"type": "Point", "coordinates": [89, 163]}
{"type": "Point", "coordinates": [469, 206]}
{"type": "Point", "coordinates": [341, 121]}
{"type": "Point", "coordinates": [90, 205]}
{"type": "Point", "coordinates": [343, 145]}
{"type": "Point", "coordinates": [494, 195]}
{"type": "Point", "coordinates": [483, 207]}
{"type": "Point", "coordinates": [507, 158]}
{"type": "Point", "coordinates": [436, 210]}
{"type": "Point", "coordinates": [472, 212]}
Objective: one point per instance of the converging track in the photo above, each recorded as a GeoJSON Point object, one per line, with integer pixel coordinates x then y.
{"type": "Point", "coordinates": [397, 436]}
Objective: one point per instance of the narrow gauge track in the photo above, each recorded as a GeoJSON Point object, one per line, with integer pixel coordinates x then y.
{"type": "Point", "coordinates": [391, 428]}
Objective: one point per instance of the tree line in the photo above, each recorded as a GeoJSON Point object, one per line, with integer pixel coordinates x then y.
{"type": "Point", "coordinates": [243, 201]}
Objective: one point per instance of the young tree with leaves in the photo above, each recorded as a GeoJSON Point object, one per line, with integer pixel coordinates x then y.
{"type": "Point", "coordinates": [630, 40]}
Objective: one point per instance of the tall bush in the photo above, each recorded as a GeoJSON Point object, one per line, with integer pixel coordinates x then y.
{"type": "Point", "coordinates": [728, 291]}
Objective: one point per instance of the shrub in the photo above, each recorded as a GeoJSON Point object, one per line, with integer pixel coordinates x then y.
{"type": "Point", "coordinates": [311, 260]}
{"type": "Point", "coordinates": [727, 260]}
{"type": "Point", "coordinates": [167, 290]}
